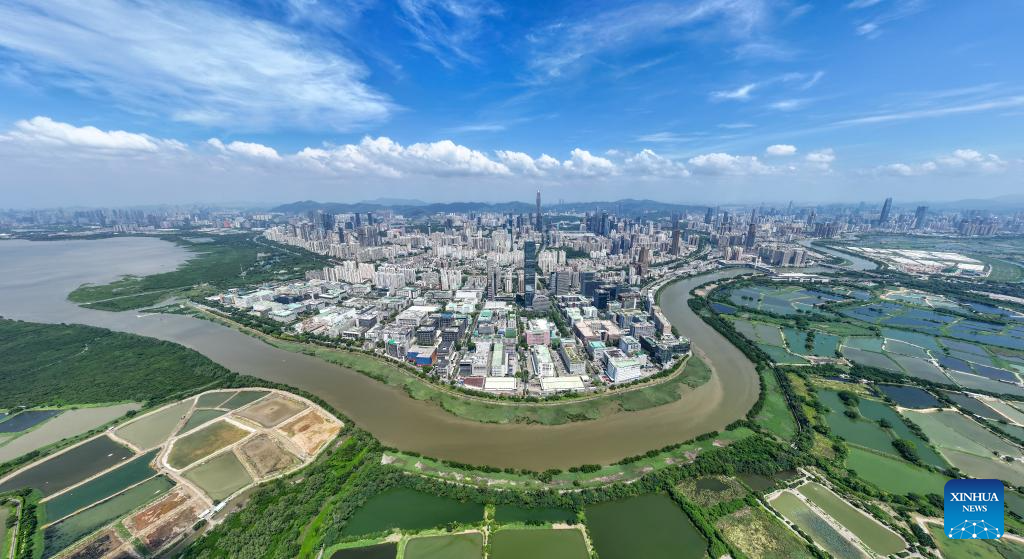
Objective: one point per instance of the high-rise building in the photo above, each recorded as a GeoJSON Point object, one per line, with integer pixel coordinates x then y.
{"type": "Point", "coordinates": [919, 216]}
{"type": "Point", "coordinates": [492, 283]}
{"type": "Point", "coordinates": [883, 218]}
{"type": "Point", "coordinates": [529, 272]}
{"type": "Point", "coordinates": [540, 220]}
{"type": "Point", "coordinates": [709, 216]}
{"type": "Point", "coordinates": [675, 235]}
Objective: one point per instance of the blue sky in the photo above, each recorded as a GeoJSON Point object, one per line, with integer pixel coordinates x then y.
{"type": "Point", "coordinates": [709, 100]}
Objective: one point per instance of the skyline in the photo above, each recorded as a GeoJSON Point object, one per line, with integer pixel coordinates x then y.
{"type": "Point", "coordinates": [710, 101]}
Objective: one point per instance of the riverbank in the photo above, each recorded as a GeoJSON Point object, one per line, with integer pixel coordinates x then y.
{"type": "Point", "coordinates": [688, 374]}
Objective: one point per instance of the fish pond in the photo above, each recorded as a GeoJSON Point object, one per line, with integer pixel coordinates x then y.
{"type": "Point", "coordinates": [910, 396]}
{"type": "Point", "coordinates": [382, 551]}
{"type": "Point", "coordinates": [153, 429]}
{"type": "Point", "coordinates": [511, 513]}
{"type": "Point", "coordinates": [650, 526]}
{"type": "Point", "coordinates": [26, 420]}
{"type": "Point", "coordinates": [409, 509]}
{"type": "Point", "coordinates": [892, 474]}
{"type": "Point", "coordinates": [880, 539]}
{"type": "Point", "coordinates": [457, 546]}
{"type": "Point", "coordinates": [66, 532]}
{"type": "Point", "coordinates": [70, 467]}
{"type": "Point", "coordinates": [99, 488]}
{"type": "Point", "coordinates": [538, 544]}
{"type": "Point", "coordinates": [797, 512]}
{"type": "Point", "coordinates": [220, 477]}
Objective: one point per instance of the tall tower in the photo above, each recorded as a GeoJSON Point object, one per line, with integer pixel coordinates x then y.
{"type": "Point", "coordinates": [540, 221]}
{"type": "Point", "coordinates": [922, 211]}
{"type": "Point", "coordinates": [529, 272]}
{"type": "Point", "coordinates": [675, 235]}
{"type": "Point", "coordinates": [883, 218]}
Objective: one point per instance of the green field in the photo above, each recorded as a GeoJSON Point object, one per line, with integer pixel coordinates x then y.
{"type": "Point", "coordinates": [892, 474]}
{"type": "Point", "coordinates": [775, 415]}
{"type": "Point", "coordinates": [220, 262]}
{"type": "Point", "coordinates": [876, 536]}
{"type": "Point", "coordinates": [220, 477]}
{"type": "Point", "coordinates": [538, 544]}
{"type": "Point", "coordinates": [57, 364]}
{"type": "Point", "coordinates": [460, 546]}
{"type": "Point", "coordinates": [984, 549]}
{"type": "Point", "coordinates": [203, 442]}
{"type": "Point", "coordinates": [6, 511]}
{"type": "Point", "coordinates": [758, 534]}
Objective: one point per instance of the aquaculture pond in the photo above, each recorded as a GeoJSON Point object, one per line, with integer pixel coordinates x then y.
{"type": "Point", "coordinates": [204, 442]}
{"type": "Point", "coordinates": [153, 429]}
{"type": "Point", "coordinates": [880, 539]}
{"type": "Point", "coordinates": [68, 424]}
{"type": "Point", "coordinates": [409, 509]}
{"type": "Point", "coordinates": [97, 489]}
{"type": "Point", "coordinates": [910, 396]}
{"type": "Point", "coordinates": [877, 411]}
{"type": "Point", "coordinates": [243, 398]}
{"type": "Point", "coordinates": [761, 483]}
{"type": "Point", "coordinates": [894, 475]}
{"type": "Point", "coordinates": [71, 467]}
{"type": "Point", "coordinates": [220, 477]}
{"type": "Point", "coordinates": [382, 551]}
{"type": "Point", "coordinates": [214, 399]}
{"type": "Point", "coordinates": [26, 420]}
{"type": "Point", "coordinates": [512, 513]}
{"type": "Point", "coordinates": [650, 526]}
{"type": "Point", "coordinates": [816, 527]}
{"type": "Point", "coordinates": [199, 417]}
{"type": "Point", "coordinates": [457, 546]}
{"type": "Point", "coordinates": [66, 532]}
{"type": "Point", "coordinates": [539, 544]}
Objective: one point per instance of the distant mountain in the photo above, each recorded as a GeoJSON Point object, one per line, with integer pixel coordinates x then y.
{"type": "Point", "coordinates": [415, 208]}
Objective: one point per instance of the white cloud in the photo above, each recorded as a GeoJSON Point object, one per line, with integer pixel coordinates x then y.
{"type": "Point", "coordinates": [780, 149]}
{"type": "Point", "coordinates": [190, 61]}
{"type": "Point", "coordinates": [727, 164]}
{"type": "Point", "coordinates": [648, 163]}
{"type": "Point", "coordinates": [821, 159]}
{"type": "Point", "coordinates": [789, 104]}
{"type": "Point", "coordinates": [741, 93]}
{"type": "Point", "coordinates": [960, 161]}
{"type": "Point", "coordinates": [587, 164]}
{"type": "Point", "coordinates": [247, 149]}
{"type": "Point", "coordinates": [981, 106]}
{"type": "Point", "coordinates": [565, 46]}
{"type": "Point", "coordinates": [444, 28]}
{"type": "Point", "coordinates": [859, 4]}
{"type": "Point", "coordinates": [43, 130]}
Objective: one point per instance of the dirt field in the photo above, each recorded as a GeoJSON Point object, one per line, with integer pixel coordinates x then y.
{"type": "Point", "coordinates": [204, 442]}
{"type": "Point", "coordinates": [310, 431]}
{"type": "Point", "coordinates": [150, 515]}
{"type": "Point", "coordinates": [272, 411]}
{"type": "Point", "coordinates": [266, 456]}
{"type": "Point", "coordinates": [175, 525]}
{"type": "Point", "coordinates": [103, 544]}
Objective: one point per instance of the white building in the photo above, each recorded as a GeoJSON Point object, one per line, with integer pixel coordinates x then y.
{"type": "Point", "coordinates": [542, 364]}
{"type": "Point", "coordinates": [624, 369]}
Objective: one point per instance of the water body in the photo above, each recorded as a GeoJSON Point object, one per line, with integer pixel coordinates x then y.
{"type": "Point", "coordinates": [856, 263]}
{"type": "Point", "coordinates": [39, 275]}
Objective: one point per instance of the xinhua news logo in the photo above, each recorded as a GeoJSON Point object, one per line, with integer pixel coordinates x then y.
{"type": "Point", "coordinates": [973, 509]}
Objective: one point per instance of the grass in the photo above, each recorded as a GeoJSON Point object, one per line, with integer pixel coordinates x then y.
{"type": "Point", "coordinates": [614, 472]}
{"type": "Point", "coordinates": [984, 549]}
{"type": "Point", "coordinates": [757, 533]}
{"type": "Point", "coordinates": [225, 261]}
{"type": "Point", "coordinates": [60, 365]}
{"type": "Point", "coordinates": [775, 415]}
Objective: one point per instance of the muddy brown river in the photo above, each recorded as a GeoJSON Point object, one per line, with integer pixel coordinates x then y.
{"type": "Point", "coordinates": [35, 278]}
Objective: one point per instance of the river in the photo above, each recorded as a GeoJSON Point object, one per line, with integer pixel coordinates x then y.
{"type": "Point", "coordinates": [35, 278]}
{"type": "Point", "coordinates": [856, 263]}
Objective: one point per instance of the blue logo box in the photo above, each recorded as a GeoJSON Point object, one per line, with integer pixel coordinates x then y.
{"type": "Point", "coordinates": [973, 509]}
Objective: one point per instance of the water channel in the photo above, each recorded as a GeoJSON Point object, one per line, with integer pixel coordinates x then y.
{"type": "Point", "coordinates": [35, 278]}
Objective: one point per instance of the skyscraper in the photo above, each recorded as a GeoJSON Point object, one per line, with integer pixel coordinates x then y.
{"type": "Point", "coordinates": [919, 216]}
{"type": "Point", "coordinates": [675, 235]}
{"type": "Point", "coordinates": [540, 220]}
{"type": "Point", "coordinates": [529, 272]}
{"type": "Point", "coordinates": [708, 216]}
{"type": "Point", "coordinates": [883, 218]}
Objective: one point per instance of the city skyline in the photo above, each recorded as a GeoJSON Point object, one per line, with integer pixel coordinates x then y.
{"type": "Point", "coordinates": [703, 101]}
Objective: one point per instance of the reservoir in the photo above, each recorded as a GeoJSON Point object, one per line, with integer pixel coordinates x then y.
{"type": "Point", "coordinates": [37, 276]}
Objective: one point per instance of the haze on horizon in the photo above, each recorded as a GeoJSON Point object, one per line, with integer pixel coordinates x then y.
{"type": "Point", "coordinates": [708, 101]}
